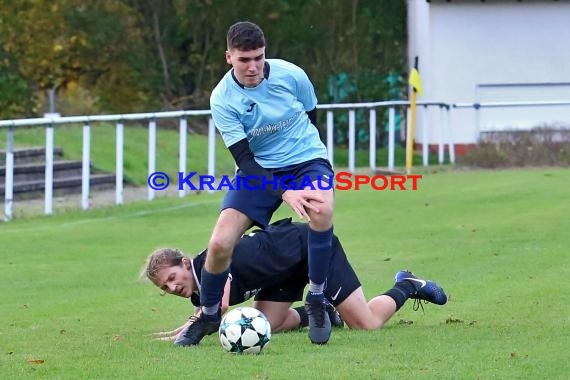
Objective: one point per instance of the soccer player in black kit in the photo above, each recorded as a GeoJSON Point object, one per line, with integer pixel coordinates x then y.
{"type": "Point", "coordinates": [270, 265]}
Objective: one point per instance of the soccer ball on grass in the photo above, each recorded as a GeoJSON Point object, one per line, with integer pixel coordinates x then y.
{"type": "Point", "coordinates": [244, 330]}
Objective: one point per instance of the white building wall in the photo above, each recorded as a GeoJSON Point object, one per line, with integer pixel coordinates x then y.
{"type": "Point", "coordinates": [498, 50]}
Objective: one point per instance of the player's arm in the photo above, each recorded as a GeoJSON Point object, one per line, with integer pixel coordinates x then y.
{"type": "Point", "coordinates": [171, 335]}
{"type": "Point", "coordinates": [245, 160]}
{"type": "Point", "coordinates": [313, 116]}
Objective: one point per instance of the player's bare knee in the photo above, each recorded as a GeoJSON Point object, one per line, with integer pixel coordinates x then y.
{"type": "Point", "coordinates": [276, 328]}
{"type": "Point", "coordinates": [363, 324]}
{"type": "Point", "coordinates": [220, 248]}
{"type": "Point", "coordinates": [322, 220]}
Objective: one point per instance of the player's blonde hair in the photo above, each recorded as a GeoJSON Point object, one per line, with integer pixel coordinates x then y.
{"type": "Point", "coordinates": [159, 259]}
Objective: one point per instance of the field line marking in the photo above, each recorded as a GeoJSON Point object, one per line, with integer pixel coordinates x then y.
{"type": "Point", "coordinates": [105, 218]}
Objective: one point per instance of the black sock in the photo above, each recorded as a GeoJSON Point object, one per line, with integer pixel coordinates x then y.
{"type": "Point", "coordinates": [406, 286]}
{"type": "Point", "coordinates": [303, 315]}
{"type": "Point", "coordinates": [401, 292]}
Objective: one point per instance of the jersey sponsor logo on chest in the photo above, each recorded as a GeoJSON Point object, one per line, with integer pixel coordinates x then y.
{"type": "Point", "coordinates": [273, 127]}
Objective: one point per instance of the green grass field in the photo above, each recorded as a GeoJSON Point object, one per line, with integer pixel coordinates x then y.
{"type": "Point", "coordinates": [498, 241]}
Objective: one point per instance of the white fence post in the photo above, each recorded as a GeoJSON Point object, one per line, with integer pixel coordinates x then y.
{"type": "Point", "coordinates": [48, 195]}
{"type": "Point", "coordinates": [440, 129]}
{"type": "Point", "coordinates": [450, 137]}
{"type": "Point", "coordinates": [211, 150]}
{"type": "Point", "coordinates": [425, 144]}
{"type": "Point", "coordinates": [330, 137]}
{"type": "Point", "coordinates": [372, 138]}
{"type": "Point", "coordinates": [151, 154]}
{"type": "Point", "coordinates": [391, 137]}
{"type": "Point", "coordinates": [86, 168]}
{"type": "Point", "coordinates": [477, 116]}
{"type": "Point", "coordinates": [119, 164]}
{"type": "Point", "coordinates": [351, 140]}
{"type": "Point", "coordinates": [183, 128]}
{"type": "Point", "coordinates": [9, 180]}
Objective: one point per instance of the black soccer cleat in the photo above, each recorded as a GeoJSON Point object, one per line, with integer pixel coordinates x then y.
{"type": "Point", "coordinates": [193, 334]}
{"type": "Point", "coordinates": [319, 321]}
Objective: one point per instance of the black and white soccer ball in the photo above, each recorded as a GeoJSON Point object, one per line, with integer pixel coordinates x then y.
{"type": "Point", "coordinates": [244, 330]}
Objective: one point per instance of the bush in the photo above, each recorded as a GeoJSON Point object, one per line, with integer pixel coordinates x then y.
{"type": "Point", "coordinates": [541, 146]}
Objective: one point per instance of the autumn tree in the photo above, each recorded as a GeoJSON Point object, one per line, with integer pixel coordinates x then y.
{"type": "Point", "coordinates": [139, 55]}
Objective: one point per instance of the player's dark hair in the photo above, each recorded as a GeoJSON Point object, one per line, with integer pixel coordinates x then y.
{"type": "Point", "coordinates": [245, 35]}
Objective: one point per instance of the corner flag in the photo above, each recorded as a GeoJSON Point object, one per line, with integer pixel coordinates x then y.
{"type": "Point", "coordinates": [416, 83]}
{"type": "Point", "coordinates": [415, 80]}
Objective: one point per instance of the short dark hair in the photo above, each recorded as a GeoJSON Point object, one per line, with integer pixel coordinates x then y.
{"type": "Point", "coordinates": [245, 35]}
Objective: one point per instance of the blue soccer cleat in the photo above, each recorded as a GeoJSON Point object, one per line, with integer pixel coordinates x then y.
{"type": "Point", "coordinates": [426, 290]}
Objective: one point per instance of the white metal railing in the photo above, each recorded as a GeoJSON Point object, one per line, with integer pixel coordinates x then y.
{"type": "Point", "coordinates": [483, 105]}
{"type": "Point", "coordinates": [51, 122]}
{"type": "Point", "coordinates": [443, 128]}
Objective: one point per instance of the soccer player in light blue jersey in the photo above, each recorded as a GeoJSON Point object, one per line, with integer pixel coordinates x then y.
{"type": "Point", "coordinates": [265, 110]}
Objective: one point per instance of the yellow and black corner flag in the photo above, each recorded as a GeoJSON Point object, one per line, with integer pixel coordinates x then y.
{"type": "Point", "coordinates": [416, 83]}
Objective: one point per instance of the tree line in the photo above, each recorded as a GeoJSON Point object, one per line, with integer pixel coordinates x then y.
{"type": "Point", "coordinates": [121, 56]}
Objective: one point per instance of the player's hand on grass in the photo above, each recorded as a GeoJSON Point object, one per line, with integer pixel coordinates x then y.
{"type": "Point", "coordinates": [167, 338]}
{"type": "Point", "coordinates": [166, 335]}
{"type": "Point", "coordinates": [172, 335]}
{"type": "Point", "coordinates": [301, 201]}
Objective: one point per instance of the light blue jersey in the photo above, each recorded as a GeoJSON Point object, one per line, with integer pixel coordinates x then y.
{"type": "Point", "coordinates": [272, 115]}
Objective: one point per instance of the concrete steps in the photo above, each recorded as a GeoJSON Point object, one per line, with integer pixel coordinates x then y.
{"type": "Point", "coordinates": [29, 155]}
{"type": "Point", "coordinates": [61, 186]}
{"type": "Point", "coordinates": [29, 175]}
{"type": "Point", "coordinates": [36, 172]}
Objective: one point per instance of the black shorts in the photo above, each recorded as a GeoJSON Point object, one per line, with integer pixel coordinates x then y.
{"type": "Point", "coordinates": [341, 281]}
{"type": "Point", "coordinates": [260, 204]}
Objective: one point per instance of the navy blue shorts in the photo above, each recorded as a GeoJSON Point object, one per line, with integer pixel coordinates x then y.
{"type": "Point", "coordinates": [260, 204]}
{"type": "Point", "coordinates": [341, 281]}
